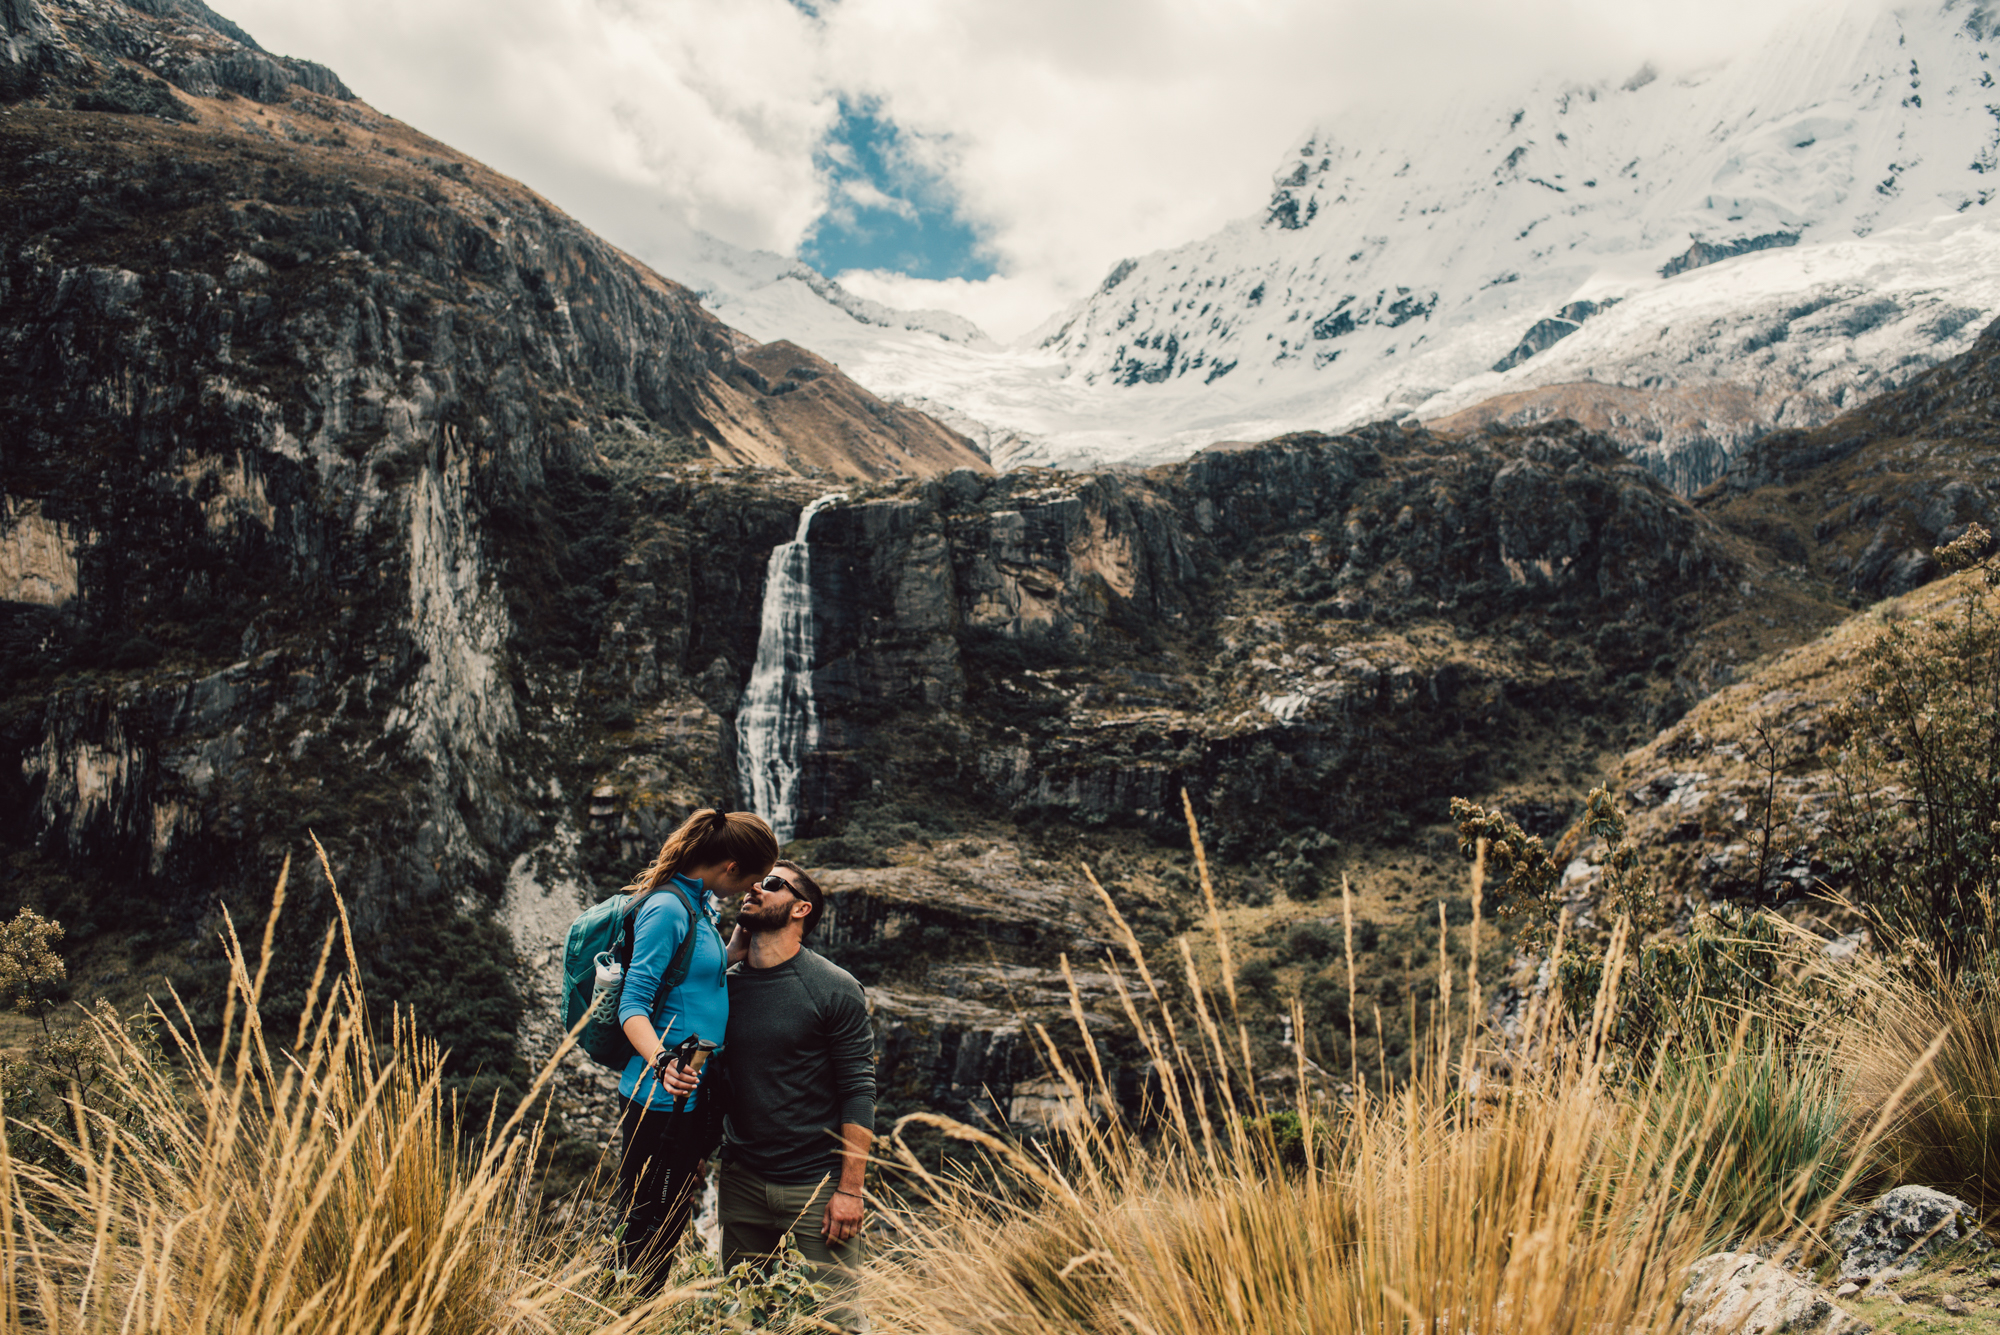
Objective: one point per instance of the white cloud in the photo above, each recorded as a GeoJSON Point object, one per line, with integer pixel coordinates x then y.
{"type": "Point", "coordinates": [865, 194]}
{"type": "Point", "coordinates": [1073, 133]}
{"type": "Point", "coordinates": [631, 114]}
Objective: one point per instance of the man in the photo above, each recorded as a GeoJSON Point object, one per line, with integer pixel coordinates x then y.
{"type": "Point", "coordinates": [801, 1071]}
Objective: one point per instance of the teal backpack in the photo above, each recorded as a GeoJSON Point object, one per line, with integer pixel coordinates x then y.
{"type": "Point", "coordinates": [606, 929]}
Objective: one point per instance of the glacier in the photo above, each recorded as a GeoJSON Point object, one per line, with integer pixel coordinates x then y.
{"type": "Point", "coordinates": [1806, 225]}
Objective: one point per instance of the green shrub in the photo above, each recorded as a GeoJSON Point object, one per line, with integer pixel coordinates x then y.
{"type": "Point", "coordinates": [1326, 1004]}
{"type": "Point", "coordinates": [1313, 942]}
{"type": "Point", "coordinates": [906, 952]}
{"type": "Point", "coordinates": [134, 653]}
{"type": "Point", "coordinates": [1283, 1135]}
{"type": "Point", "coordinates": [1916, 759]}
{"type": "Point", "coordinates": [1756, 1138]}
{"type": "Point", "coordinates": [1680, 990]}
{"type": "Point", "coordinates": [867, 832]}
{"type": "Point", "coordinates": [1257, 977]}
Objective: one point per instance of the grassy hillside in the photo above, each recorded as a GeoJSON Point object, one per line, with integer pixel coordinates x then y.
{"type": "Point", "coordinates": [1531, 1177]}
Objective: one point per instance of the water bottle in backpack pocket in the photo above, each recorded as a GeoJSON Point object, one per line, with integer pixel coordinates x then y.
{"type": "Point", "coordinates": [610, 986]}
{"type": "Point", "coordinates": [601, 1032]}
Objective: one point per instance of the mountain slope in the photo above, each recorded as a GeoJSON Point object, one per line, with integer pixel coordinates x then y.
{"type": "Point", "coordinates": [1863, 500]}
{"type": "Point", "coordinates": [152, 109]}
{"type": "Point", "coordinates": [347, 486]}
{"type": "Point", "coordinates": [1797, 230]}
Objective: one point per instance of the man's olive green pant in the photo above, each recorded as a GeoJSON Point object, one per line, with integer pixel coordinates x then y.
{"type": "Point", "coordinates": [755, 1216]}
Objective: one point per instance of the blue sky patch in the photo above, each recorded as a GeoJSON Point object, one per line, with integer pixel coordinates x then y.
{"type": "Point", "coordinates": [888, 211]}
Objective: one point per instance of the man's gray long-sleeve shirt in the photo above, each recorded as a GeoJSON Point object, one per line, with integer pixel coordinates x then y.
{"type": "Point", "coordinates": [801, 1061]}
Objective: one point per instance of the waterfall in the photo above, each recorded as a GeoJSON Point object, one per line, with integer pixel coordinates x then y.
{"type": "Point", "coordinates": [776, 723]}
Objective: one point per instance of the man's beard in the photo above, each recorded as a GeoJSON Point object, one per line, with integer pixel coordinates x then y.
{"type": "Point", "coordinates": [771, 918]}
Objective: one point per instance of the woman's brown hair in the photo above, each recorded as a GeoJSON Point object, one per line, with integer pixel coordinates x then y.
{"type": "Point", "coordinates": [710, 836]}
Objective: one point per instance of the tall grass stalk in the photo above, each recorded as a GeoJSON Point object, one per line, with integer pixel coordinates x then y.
{"type": "Point", "coordinates": [326, 1187]}
{"type": "Point", "coordinates": [1946, 1131]}
{"type": "Point", "coordinates": [1554, 1197]}
{"type": "Point", "coordinates": [1769, 1128]}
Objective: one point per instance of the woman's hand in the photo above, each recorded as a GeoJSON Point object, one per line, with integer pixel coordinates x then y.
{"type": "Point", "coordinates": [673, 1075]}
{"type": "Point", "coordinates": [739, 944]}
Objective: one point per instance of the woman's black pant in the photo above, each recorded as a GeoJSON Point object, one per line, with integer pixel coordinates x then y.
{"type": "Point", "coordinates": [659, 1177]}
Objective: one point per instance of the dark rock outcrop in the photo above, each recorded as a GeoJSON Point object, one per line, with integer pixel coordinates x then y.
{"type": "Point", "coordinates": [33, 52]}
{"type": "Point", "coordinates": [1902, 1231]}
{"type": "Point", "coordinates": [1704, 253]}
{"type": "Point", "coordinates": [183, 42]}
{"type": "Point", "coordinates": [1545, 334]}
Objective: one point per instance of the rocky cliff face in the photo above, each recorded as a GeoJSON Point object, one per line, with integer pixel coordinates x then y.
{"type": "Point", "coordinates": [332, 468]}
{"type": "Point", "coordinates": [1317, 636]}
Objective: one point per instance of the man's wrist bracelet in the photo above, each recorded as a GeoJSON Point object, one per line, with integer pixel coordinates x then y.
{"type": "Point", "coordinates": [839, 1191]}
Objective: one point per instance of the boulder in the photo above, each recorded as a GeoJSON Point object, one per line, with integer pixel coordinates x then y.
{"type": "Point", "coordinates": [1902, 1231]}
{"type": "Point", "coordinates": [1743, 1294]}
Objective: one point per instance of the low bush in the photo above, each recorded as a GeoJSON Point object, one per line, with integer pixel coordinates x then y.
{"type": "Point", "coordinates": [1258, 977]}
{"type": "Point", "coordinates": [1313, 942]}
{"type": "Point", "coordinates": [1916, 760]}
{"type": "Point", "coordinates": [869, 831]}
{"type": "Point", "coordinates": [909, 952]}
{"type": "Point", "coordinates": [1908, 1008]}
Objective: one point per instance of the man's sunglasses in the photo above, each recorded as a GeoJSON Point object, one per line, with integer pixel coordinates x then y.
{"type": "Point", "coordinates": [773, 883]}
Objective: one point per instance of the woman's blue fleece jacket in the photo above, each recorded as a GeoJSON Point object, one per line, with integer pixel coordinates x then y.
{"type": "Point", "coordinates": [699, 1006]}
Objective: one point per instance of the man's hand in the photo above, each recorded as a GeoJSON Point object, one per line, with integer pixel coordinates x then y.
{"type": "Point", "coordinates": [675, 1075]}
{"type": "Point", "coordinates": [843, 1217]}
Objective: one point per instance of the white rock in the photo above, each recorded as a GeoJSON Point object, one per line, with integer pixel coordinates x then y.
{"type": "Point", "coordinates": [1902, 1231]}
{"type": "Point", "coordinates": [1736, 1293]}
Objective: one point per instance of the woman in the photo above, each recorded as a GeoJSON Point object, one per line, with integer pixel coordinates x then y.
{"type": "Point", "coordinates": [711, 856]}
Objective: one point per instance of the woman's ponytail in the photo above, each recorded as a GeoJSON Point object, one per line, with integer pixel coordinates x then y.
{"type": "Point", "coordinates": [709, 836]}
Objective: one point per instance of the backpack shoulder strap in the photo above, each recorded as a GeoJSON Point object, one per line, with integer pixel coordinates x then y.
{"type": "Point", "coordinates": [683, 960]}
{"type": "Point", "coordinates": [621, 936]}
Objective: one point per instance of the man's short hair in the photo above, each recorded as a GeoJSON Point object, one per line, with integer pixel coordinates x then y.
{"type": "Point", "coordinates": [807, 889]}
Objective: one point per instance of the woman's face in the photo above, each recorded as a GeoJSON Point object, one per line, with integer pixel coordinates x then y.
{"type": "Point", "coordinates": [733, 878]}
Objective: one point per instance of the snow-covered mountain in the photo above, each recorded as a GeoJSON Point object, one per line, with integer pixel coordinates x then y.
{"type": "Point", "coordinates": [1801, 227]}
{"type": "Point", "coordinates": [770, 297]}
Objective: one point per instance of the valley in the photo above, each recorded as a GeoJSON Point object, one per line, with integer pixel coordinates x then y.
{"type": "Point", "coordinates": [354, 492]}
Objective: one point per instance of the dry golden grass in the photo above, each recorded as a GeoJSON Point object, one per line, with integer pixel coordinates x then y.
{"type": "Point", "coordinates": [1945, 1131]}
{"type": "Point", "coordinates": [325, 1187]}
{"type": "Point", "coordinates": [328, 1186]}
{"type": "Point", "coordinates": [1546, 1193]}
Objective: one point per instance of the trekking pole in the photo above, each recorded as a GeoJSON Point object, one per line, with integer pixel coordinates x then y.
{"type": "Point", "coordinates": [692, 1054]}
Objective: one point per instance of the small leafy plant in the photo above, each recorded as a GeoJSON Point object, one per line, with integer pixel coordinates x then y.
{"type": "Point", "coordinates": [1916, 763]}
{"type": "Point", "coordinates": [1677, 990]}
